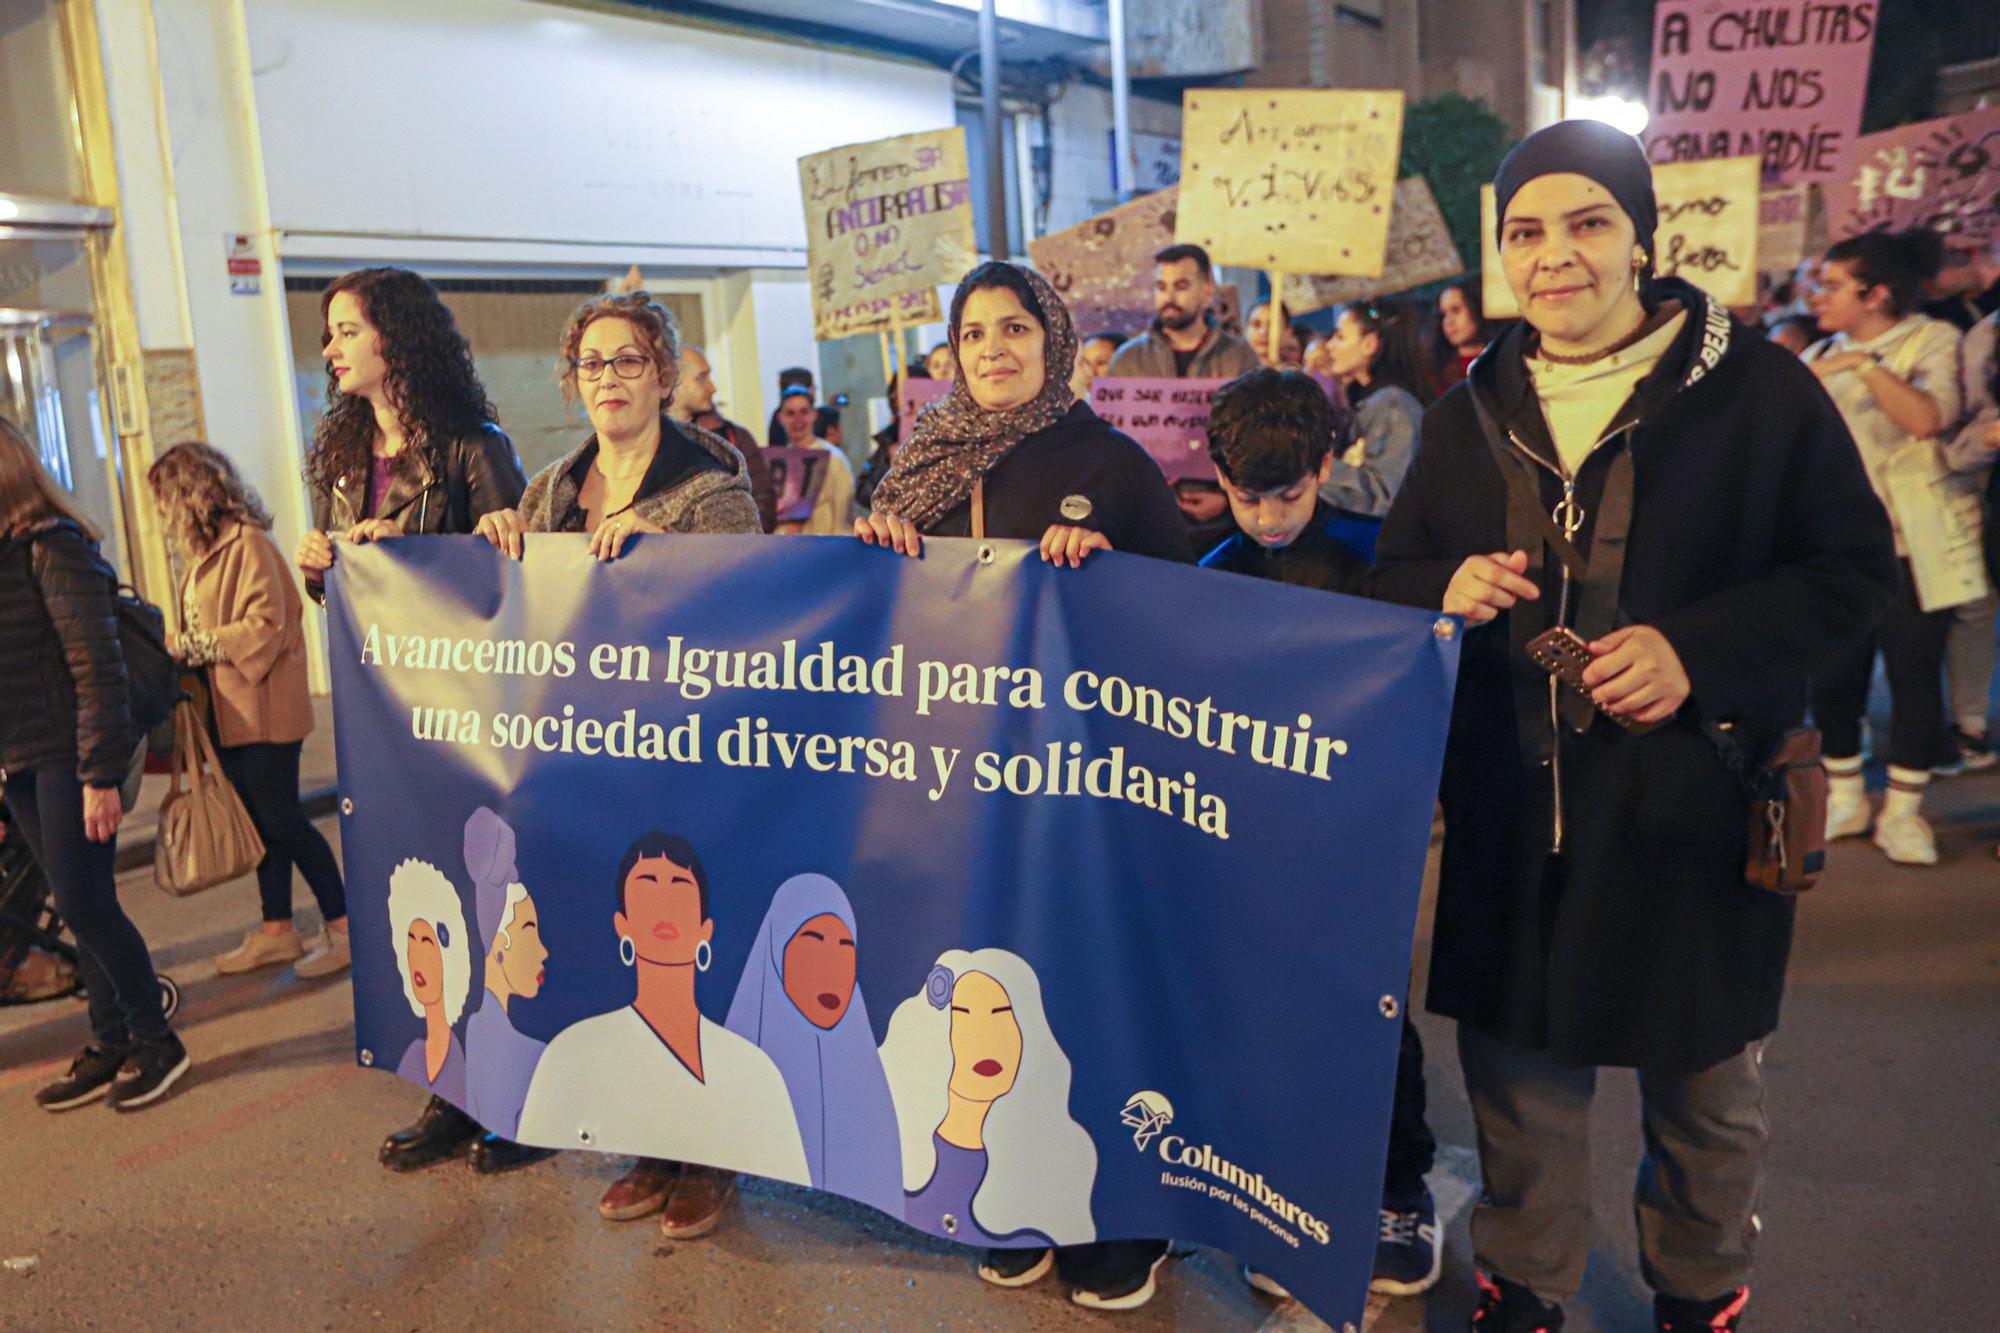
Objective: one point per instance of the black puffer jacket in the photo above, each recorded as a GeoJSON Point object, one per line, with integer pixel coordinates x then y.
{"type": "Point", "coordinates": [63, 696]}
{"type": "Point", "coordinates": [1759, 551]}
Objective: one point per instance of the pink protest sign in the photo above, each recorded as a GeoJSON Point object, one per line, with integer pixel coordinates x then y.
{"type": "Point", "coordinates": [1168, 417]}
{"type": "Point", "coordinates": [1942, 174]}
{"type": "Point", "coordinates": [913, 396]}
{"type": "Point", "coordinates": [798, 474]}
{"type": "Point", "coordinates": [1782, 80]}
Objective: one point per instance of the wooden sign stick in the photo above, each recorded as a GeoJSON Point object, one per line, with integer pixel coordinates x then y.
{"type": "Point", "coordinates": [1275, 319]}
{"type": "Point", "coordinates": [888, 362]}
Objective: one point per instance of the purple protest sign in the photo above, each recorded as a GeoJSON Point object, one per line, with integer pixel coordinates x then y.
{"type": "Point", "coordinates": [798, 474]}
{"type": "Point", "coordinates": [1942, 174]}
{"type": "Point", "coordinates": [1783, 80]}
{"type": "Point", "coordinates": [1169, 418]}
{"type": "Point", "coordinates": [912, 397]}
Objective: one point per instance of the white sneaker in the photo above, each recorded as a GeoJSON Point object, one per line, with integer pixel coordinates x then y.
{"type": "Point", "coordinates": [329, 957]}
{"type": "Point", "coordinates": [1907, 840]}
{"type": "Point", "coordinates": [1847, 818]}
{"type": "Point", "coordinates": [1265, 1283]}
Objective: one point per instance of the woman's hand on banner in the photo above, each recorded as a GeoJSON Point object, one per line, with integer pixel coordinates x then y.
{"type": "Point", "coordinates": [1064, 544]}
{"type": "Point", "coordinates": [1486, 585]}
{"type": "Point", "coordinates": [315, 556]}
{"type": "Point", "coordinates": [1637, 675]}
{"type": "Point", "coordinates": [503, 528]}
{"type": "Point", "coordinates": [608, 542]}
{"type": "Point", "coordinates": [892, 532]}
{"type": "Point", "coordinates": [374, 530]}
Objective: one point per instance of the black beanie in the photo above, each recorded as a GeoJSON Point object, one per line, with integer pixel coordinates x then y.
{"type": "Point", "coordinates": [1588, 148]}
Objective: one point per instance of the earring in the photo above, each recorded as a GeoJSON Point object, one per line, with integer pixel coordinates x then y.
{"type": "Point", "coordinates": [628, 953]}
{"type": "Point", "coordinates": [703, 956]}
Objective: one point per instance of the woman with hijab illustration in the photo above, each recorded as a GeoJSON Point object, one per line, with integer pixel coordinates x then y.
{"type": "Point", "coordinates": [500, 1057]}
{"type": "Point", "coordinates": [799, 1003]}
{"type": "Point", "coordinates": [658, 1078]}
{"type": "Point", "coordinates": [428, 927]}
{"type": "Point", "coordinates": [990, 1154]}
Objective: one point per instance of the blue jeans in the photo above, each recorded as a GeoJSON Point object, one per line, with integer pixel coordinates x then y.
{"type": "Point", "coordinates": [117, 969]}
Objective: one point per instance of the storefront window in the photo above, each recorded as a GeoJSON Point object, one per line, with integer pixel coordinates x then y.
{"type": "Point", "coordinates": [40, 152]}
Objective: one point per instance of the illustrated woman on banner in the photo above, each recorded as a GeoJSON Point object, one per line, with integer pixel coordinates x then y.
{"type": "Point", "coordinates": [502, 1058]}
{"type": "Point", "coordinates": [799, 1002]}
{"type": "Point", "coordinates": [428, 926]}
{"type": "Point", "coordinates": [657, 1077]}
{"type": "Point", "coordinates": [990, 1154]}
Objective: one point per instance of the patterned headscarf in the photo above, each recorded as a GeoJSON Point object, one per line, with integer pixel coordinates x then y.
{"type": "Point", "coordinates": [956, 441]}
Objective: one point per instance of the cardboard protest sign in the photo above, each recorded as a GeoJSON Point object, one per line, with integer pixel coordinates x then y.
{"type": "Point", "coordinates": [799, 474]}
{"type": "Point", "coordinates": [1168, 417]}
{"type": "Point", "coordinates": [1781, 231]}
{"type": "Point", "coordinates": [1290, 180]}
{"type": "Point", "coordinates": [1709, 218]}
{"type": "Point", "coordinates": [912, 397]}
{"type": "Point", "coordinates": [1943, 174]}
{"type": "Point", "coordinates": [886, 223]}
{"type": "Point", "coordinates": [1420, 251]}
{"type": "Point", "coordinates": [1103, 266]}
{"type": "Point", "coordinates": [1782, 81]}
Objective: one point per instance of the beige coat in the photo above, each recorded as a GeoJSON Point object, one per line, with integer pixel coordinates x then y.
{"type": "Point", "coordinates": [244, 617]}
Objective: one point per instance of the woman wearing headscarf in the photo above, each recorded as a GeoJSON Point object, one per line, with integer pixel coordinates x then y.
{"type": "Point", "coordinates": [800, 1003]}
{"type": "Point", "coordinates": [1012, 452]}
{"type": "Point", "coordinates": [1592, 901]}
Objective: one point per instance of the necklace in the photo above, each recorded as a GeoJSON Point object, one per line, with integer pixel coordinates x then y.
{"type": "Point", "coordinates": [1646, 326]}
{"type": "Point", "coordinates": [639, 471]}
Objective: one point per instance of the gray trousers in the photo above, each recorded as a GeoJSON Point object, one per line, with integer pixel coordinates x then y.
{"type": "Point", "coordinates": [1696, 1196]}
{"type": "Point", "coordinates": [1969, 657]}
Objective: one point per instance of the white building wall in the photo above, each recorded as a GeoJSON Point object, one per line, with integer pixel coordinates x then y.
{"type": "Point", "coordinates": [1080, 184]}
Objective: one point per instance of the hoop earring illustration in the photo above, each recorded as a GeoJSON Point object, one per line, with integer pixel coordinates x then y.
{"type": "Point", "coordinates": [628, 953]}
{"type": "Point", "coordinates": [703, 956]}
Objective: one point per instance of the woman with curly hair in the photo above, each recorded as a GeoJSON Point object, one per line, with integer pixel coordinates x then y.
{"type": "Point", "coordinates": [242, 620]}
{"type": "Point", "coordinates": [640, 470]}
{"type": "Point", "coordinates": [408, 443]}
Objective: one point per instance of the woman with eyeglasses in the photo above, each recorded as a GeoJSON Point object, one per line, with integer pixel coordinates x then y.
{"type": "Point", "coordinates": [640, 470]}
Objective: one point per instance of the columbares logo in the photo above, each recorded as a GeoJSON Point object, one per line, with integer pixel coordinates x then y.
{"type": "Point", "coordinates": [1146, 1115]}
{"type": "Point", "coordinates": [1199, 1168]}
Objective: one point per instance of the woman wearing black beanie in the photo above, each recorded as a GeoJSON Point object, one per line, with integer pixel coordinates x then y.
{"type": "Point", "coordinates": [1714, 543]}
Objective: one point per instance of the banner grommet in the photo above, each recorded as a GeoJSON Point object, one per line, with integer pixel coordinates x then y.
{"type": "Point", "coordinates": [346, 805]}
{"type": "Point", "coordinates": [1445, 628]}
{"type": "Point", "coordinates": [368, 1058]}
{"type": "Point", "coordinates": [1390, 1006]}
{"type": "Point", "coordinates": [985, 554]}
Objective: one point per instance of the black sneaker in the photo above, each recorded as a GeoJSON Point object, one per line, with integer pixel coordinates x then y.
{"type": "Point", "coordinates": [1509, 1307]}
{"type": "Point", "coordinates": [1967, 753]}
{"type": "Point", "coordinates": [89, 1078]}
{"type": "Point", "coordinates": [1114, 1274]}
{"type": "Point", "coordinates": [1409, 1251]}
{"type": "Point", "coordinates": [151, 1068]}
{"type": "Point", "coordinates": [441, 1132]}
{"type": "Point", "coordinates": [1671, 1314]}
{"type": "Point", "coordinates": [1015, 1268]}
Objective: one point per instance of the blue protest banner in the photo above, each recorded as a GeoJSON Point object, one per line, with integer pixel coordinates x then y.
{"type": "Point", "coordinates": [1026, 905]}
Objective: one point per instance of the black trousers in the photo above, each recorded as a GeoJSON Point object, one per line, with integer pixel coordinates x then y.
{"type": "Point", "coordinates": [117, 968]}
{"type": "Point", "coordinates": [1912, 644]}
{"type": "Point", "coordinates": [1412, 1146]}
{"type": "Point", "coordinates": [267, 778]}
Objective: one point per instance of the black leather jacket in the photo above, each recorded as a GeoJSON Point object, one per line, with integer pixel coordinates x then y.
{"type": "Point", "coordinates": [480, 474]}
{"type": "Point", "coordinates": [63, 697]}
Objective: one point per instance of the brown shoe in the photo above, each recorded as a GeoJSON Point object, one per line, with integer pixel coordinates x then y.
{"type": "Point", "coordinates": [640, 1191]}
{"type": "Point", "coordinates": [261, 950]}
{"type": "Point", "coordinates": [697, 1203]}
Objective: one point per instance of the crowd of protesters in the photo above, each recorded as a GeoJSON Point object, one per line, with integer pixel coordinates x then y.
{"type": "Point", "coordinates": [1530, 476]}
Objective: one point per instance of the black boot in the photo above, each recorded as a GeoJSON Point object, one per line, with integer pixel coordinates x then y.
{"type": "Point", "coordinates": [442, 1131]}
{"type": "Point", "coordinates": [493, 1155]}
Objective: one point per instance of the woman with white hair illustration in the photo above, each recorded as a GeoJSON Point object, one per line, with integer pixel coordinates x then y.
{"type": "Point", "coordinates": [428, 925]}
{"type": "Point", "coordinates": [991, 1156]}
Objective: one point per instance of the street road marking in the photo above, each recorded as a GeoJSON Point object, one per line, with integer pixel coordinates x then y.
{"type": "Point", "coordinates": [234, 1120]}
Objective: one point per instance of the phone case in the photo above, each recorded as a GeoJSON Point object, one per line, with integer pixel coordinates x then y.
{"type": "Point", "coordinates": [1564, 655]}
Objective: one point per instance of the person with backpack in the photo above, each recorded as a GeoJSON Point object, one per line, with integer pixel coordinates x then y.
{"type": "Point", "coordinates": [67, 738]}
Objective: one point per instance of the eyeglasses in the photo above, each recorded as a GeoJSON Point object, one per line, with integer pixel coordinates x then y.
{"type": "Point", "coordinates": [627, 367]}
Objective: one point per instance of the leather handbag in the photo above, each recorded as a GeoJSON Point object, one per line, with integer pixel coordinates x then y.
{"type": "Point", "coordinates": [205, 835]}
{"type": "Point", "coordinates": [1788, 795]}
